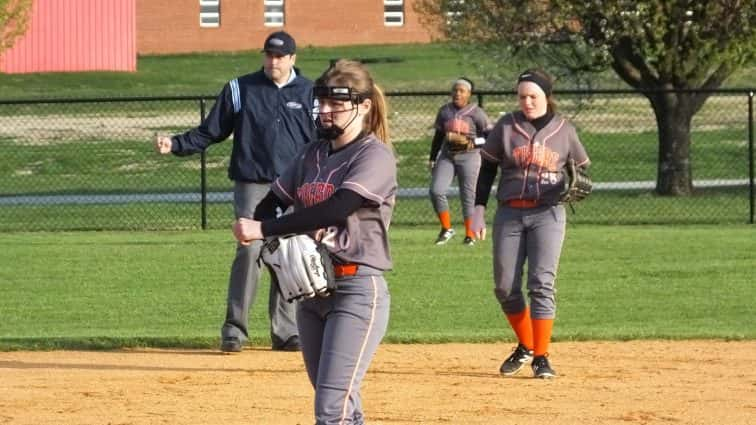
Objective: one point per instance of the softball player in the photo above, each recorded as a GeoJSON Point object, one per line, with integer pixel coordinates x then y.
{"type": "Point", "coordinates": [530, 147]}
{"type": "Point", "coordinates": [343, 192]}
{"type": "Point", "coordinates": [469, 125]}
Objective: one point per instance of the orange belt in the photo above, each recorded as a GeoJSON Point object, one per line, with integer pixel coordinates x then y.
{"type": "Point", "coordinates": [520, 203]}
{"type": "Point", "coordinates": [344, 270]}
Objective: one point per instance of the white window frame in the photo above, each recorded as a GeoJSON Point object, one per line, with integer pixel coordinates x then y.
{"type": "Point", "coordinates": [453, 17]}
{"type": "Point", "coordinates": [270, 15]}
{"type": "Point", "coordinates": [387, 15]}
{"type": "Point", "coordinates": [203, 15]}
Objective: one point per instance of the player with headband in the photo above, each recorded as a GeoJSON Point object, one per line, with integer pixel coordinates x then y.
{"type": "Point", "coordinates": [461, 127]}
{"type": "Point", "coordinates": [530, 147]}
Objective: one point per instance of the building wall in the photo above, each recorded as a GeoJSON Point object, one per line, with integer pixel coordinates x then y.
{"type": "Point", "coordinates": [172, 26]}
{"type": "Point", "coordinates": [75, 35]}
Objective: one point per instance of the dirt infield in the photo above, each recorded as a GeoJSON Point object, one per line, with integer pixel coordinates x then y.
{"type": "Point", "coordinates": [637, 382]}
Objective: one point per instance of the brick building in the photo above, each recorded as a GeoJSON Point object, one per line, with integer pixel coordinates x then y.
{"type": "Point", "coordinates": [86, 35]}
{"type": "Point", "coordinates": [175, 26]}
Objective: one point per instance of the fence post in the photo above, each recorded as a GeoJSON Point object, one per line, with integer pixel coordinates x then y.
{"type": "Point", "coordinates": [750, 153]}
{"type": "Point", "coordinates": [203, 174]}
{"type": "Point", "coordinates": [480, 100]}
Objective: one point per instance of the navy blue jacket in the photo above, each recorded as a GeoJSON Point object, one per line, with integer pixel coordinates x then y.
{"type": "Point", "coordinates": [270, 126]}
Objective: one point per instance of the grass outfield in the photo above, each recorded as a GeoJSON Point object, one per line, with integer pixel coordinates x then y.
{"type": "Point", "coordinates": [125, 289]}
{"type": "Point", "coordinates": [131, 165]}
{"type": "Point", "coordinates": [399, 67]}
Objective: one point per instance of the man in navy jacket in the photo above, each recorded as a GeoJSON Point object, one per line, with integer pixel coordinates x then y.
{"type": "Point", "coordinates": [269, 113]}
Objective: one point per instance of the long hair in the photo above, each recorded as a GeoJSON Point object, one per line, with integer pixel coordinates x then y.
{"type": "Point", "coordinates": [354, 74]}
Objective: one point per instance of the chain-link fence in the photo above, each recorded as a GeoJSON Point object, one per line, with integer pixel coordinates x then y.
{"type": "Point", "coordinates": [90, 164]}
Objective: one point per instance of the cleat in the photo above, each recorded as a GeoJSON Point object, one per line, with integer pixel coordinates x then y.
{"type": "Point", "coordinates": [444, 236]}
{"type": "Point", "coordinates": [542, 369]}
{"type": "Point", "coordinates": [515, 362]}
{"type": "Point", "coordinates": [469, 241]}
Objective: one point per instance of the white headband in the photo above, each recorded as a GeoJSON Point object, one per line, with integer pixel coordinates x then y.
{"type": "Point", "coordinates": [464, 83]}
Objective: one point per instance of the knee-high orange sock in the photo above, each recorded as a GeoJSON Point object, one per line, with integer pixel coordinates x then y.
{"type": "Point", "coordinates": [445, 219]}
{"type": "Point", "coordinates": [468, 230]}
{"type": "Point", "coordinates": [522, 326]}
{"type": "Point", "coordinates": [542, 335]}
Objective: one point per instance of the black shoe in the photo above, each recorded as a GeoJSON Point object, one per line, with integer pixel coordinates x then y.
{"type": "Point", "coordinates": [444, 235]}
{"type": "Point", "coordinates": [231, 345]}
{"type": "Point", "coordinates": [542, 369]}
{"type": "Point", "coordinates": [291, 344]}
{"type": "Point", "coordinates": [469, 241]}
{"type": "Point", "coordinates": [516, 361]}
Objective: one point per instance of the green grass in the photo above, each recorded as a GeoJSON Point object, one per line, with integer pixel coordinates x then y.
{"type": "Point", "coordinates": [126, 166]}
{"type": "Point", "coordinates": [130, 166]}
{"type": "Point", "coordinates": [614, 207]}
{"type": "Point", "coordinates": [114, 289]}
{"type": "Point", "coordinates": [409, 67]}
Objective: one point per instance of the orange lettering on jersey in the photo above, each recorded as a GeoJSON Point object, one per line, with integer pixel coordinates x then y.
{"type": "Point", "coordinates": [314, 193]}
{"type": "Point", "coordinates": [539, 155]}
{"type": "Point", "coordinates": [456, 125]}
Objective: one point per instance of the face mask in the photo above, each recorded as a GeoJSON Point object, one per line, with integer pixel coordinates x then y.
{"type": "Point", "coordinates": [336, 93]}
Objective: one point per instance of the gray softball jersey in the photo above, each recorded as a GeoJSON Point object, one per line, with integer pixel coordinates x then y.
{"type": "Point", "coordinates": [365, 166]}
{"type": "Point", "coordinates": [340, 334]}
{"type": "Point", "coordinates": [531, 161]}
{"type": "Point", "coordinates": [469, 120]}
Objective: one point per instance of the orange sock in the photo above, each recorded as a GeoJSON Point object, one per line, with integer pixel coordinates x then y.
{"type": "Point", "coordinates": [445, 219]}
{"type": "Point", "coordinates": [468, 231]}
{"type": "Point", "coordinates": [542, 335]}
{"type": "Point", "coordinates": [522, 327]}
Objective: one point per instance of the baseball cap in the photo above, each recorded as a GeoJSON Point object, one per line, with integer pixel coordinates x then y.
{"type": "Point", "coordinates": [280, 42]}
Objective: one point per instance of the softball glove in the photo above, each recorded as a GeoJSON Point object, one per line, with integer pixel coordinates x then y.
{"type": "Point", "coordinates": [302, 265]}
{"type": "Point", "coordinates": [577, 183]}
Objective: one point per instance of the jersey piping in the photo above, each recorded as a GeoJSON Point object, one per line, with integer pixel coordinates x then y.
{"type": "Point", "coordinates": [374, 305]}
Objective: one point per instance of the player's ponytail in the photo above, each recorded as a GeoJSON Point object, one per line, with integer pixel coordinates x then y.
{"type": "Point", "coordinates": [377, 120]}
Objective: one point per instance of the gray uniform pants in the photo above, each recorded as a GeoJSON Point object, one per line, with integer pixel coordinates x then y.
{"type": "Point", "coordinates": [245, 275]}
{"type": "Point", "coordinates": [466, 167]}
{"type": "Point", "coordinates": [339, 337]}
{"type": "Point", "coordinates": [535, 235]}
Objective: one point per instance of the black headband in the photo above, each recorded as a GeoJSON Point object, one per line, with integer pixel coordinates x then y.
{"type": "Point", "coordinates": [541, 81]}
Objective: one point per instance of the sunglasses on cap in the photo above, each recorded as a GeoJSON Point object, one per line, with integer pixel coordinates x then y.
{"type": "Point", "coordinates": [338, 93]}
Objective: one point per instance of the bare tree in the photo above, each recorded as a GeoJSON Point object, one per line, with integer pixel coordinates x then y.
{"type": "Point", "coordinates": [669, 50]}
{"type": "Point", "coordinates": [14, 16]}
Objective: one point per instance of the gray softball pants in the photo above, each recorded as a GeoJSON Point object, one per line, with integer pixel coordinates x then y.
{"type": "Point", "coordinates": [245, 276]}
{"type": "Point", "coordinates": [339, 337]}
{"type": "Point", "coordinates": [534, 235]}
{"type": "Point", "coordinates": [466, 167]}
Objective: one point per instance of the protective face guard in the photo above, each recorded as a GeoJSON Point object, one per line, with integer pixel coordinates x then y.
{"type": "Point", "coordinates": [339, 93]}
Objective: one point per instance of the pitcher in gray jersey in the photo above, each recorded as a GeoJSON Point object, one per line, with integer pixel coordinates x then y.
{"type": "Point", "coordinates": [468, 125]}
{"type": "Point", "coordinates": [530, 147]}
{"type": "Point", "coordinates": [343, 190]}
